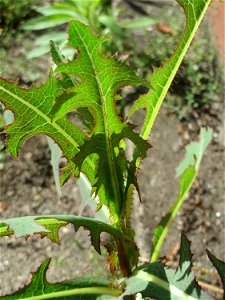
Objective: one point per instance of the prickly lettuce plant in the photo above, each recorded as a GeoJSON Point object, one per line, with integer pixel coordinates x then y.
{"type": "Point", "coordinates": [96, 147]}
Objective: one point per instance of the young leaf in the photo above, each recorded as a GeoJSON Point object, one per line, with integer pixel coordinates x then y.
{"type": "Point", "coordinates": [156, 281]}
{"type": "Point", "coordinates": [162, 78]}
{"type": "Point", "coordinates": [49, 225]}
{"type": "Point", "coordinates": [86, 288]}
{"type": "Point", "coordinates": [188, 170]}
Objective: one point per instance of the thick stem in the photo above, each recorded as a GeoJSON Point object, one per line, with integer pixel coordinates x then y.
{"type": "Point", "coordinates": [124, 261]}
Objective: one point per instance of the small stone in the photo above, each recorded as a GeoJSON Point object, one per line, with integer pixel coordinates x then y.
{"type": "Point", "coordinates": [28, 155]}
{"type": "Point", "coordinates": [37, 197]}
{"type": "Point", "coordinates": [65, 229]}
{"type": "Point", "coordinates": [218, 214]}
{"type": "Point", "coordinates": [215, 135]}
{"type": "Point", "coordinates": [186, 136]}
{"type": "Point", "coordinates": [10, 193]}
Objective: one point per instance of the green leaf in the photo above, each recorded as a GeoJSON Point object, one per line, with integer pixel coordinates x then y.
{"type": "Point", "coordinates": [54, 10]}
{"type": "Point", "coordinates": [86, 288]}
{"type": "Point", "coordinates": [162, 78]}
{"type": "Point", "coordinates": [220, 266]}
{"type": "Point", "coordinates": [138, 23]}
{"type": "Point", "coordinates": [49, 225]}
{"type": "Point", "coordinates": [188, 170]}
{"type": "Point", "coordinates": [55, 36]}
{"type": "Point", "coordinates": [38, 51]}
{"type": "Point", "coordinates": [157, 281]}
{"type": "Point", "coordinates": [44, 22]}
{"type": "Point", "coordinates": [96, 92]}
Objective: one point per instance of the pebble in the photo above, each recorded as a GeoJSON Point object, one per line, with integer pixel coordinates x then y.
{"type": "Point", "coordinates": [4, 264]}
{"type": "Point", "coordinates": [218, 214]}
{"type": "Point", "coordinates": [28, 155]}
{"type": "Point", "coordinates": [37, 197]}
{"type": "Point", "coordinates": [65, 229]}
{"type": "Point", "coordinates": [10, 193]}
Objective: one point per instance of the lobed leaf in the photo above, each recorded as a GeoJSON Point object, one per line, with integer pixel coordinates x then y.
{"type": "Point", "coordinates": [157, 281]}
{"type": "Point", "coordinates": [188, 170]}
{"type": "Point", "coordinates": [86, 288]}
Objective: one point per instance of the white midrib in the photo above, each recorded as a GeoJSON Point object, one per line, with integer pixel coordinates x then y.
{"type": "Point", "coordinates": [108, 139]}
{"type": "Point", "coordinates": [173, 290]}
{"type": "Point", "coordinates": [45, 117]}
